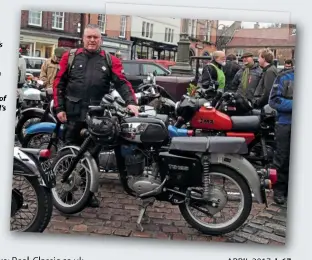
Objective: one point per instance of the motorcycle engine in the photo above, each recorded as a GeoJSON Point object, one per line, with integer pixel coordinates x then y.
{"type": "Point", "coordinates": [141, 176]}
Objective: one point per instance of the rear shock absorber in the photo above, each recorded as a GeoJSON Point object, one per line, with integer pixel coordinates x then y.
{"type": "Point", "coordinates": [206, 176]}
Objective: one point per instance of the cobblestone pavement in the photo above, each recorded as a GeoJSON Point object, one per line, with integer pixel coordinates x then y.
{"type": "Point", "coordinates": [118, 213]}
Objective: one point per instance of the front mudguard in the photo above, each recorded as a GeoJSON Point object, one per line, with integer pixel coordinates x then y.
{"type": "Point", "coordinates": [94, 171]}
{"type": "Point", "coordinates": [242, 167]}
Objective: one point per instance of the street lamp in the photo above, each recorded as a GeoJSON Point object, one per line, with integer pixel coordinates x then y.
{"type": "Point", "coordinates": [183, 56]}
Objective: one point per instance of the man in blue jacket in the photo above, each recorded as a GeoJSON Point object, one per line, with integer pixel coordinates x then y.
{"type": "Point", "coordinates": [281, 99]}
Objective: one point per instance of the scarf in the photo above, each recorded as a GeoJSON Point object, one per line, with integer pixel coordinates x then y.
{"type": "Point", "coordinates": [245, 75]}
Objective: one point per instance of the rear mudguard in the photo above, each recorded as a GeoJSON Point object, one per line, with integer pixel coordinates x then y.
{"type": "Point", "coordinates": [94, 171]}
{"type": "Point", "coordinates": [25, 160]}
{"type": "Point", "coordinates": [242, 167]}
{"type": "Point", "coordinates": [29, 111]}
{"type": "Point", "coordinates": [44, 127]}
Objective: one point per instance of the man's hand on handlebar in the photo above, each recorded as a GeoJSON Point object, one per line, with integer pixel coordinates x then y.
{"type": "Point", "coordinates": [134, 109]}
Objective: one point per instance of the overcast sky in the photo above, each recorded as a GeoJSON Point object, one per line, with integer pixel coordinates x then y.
{"type": "Point", "coordinates": [245, 24]}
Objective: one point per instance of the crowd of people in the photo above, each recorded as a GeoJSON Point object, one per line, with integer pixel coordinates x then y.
{"type": "Point", "coordinates": [260, 84]}
{"type": "Point", "coordinates": [83, 77]}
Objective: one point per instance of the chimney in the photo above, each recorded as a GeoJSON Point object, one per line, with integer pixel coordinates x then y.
{"type": "Point", "coordinates": [257, 25]}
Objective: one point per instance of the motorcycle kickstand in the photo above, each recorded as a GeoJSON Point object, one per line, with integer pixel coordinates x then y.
{"type": "Point", "coordinates": [145, 203]}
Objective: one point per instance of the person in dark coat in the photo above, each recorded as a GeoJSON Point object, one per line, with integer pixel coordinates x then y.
{"type": "Point", "coordinates": [281, 99]}
{"type": "Point", "coordinates": [269, 73]}
{"type": "Point", "coordinates": [247, 79]}
{"type": "Point", "coordinates": [230, 69]}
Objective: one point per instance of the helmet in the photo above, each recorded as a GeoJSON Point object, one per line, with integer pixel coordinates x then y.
{"type": "Point", "coordinates": [104, 129]}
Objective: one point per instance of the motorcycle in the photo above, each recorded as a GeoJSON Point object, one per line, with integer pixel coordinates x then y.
{"type": "Point", "coordinates": [176, 166]}
{"type": "Point", "coordinates": [33, 105]}
{"type": "Point", "coordinates": [206, 119]}
{"type": "Point", "coordinates": [33, 166]}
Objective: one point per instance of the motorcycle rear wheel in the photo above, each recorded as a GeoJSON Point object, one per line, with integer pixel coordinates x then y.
{"type": "Point", "coordinates": [247, 205]}
{"type": "Point", "coordinates": [44, 200]}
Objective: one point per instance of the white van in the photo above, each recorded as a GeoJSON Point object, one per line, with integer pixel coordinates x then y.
{"type": "Point", "coordinates": [33, 65]}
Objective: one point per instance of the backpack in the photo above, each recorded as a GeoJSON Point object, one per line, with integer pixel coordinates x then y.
{"type": "Point", "coordinates": [72, 54]}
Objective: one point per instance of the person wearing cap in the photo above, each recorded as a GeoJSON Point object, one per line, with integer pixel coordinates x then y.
{"type": "Point", "coordinates": [247, 79]}
{"type": "Point", "coordinates": [214, 71]}
{"type": "Point", "coordinates": [50, 67]}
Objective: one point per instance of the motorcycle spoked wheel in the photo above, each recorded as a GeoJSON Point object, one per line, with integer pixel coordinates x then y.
{"type": "Point", "coordinates": [20, 126]}
{"type": "Point", "coordinates": [44, 202]}
{"type": "Point", "coordinates": [41, 141]}
{"type": "Point", "coordinates": [234, 223]}
{"type": "Point", "coordinates": [75, 179]}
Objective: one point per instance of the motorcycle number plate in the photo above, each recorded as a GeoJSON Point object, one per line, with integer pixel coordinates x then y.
{"type": "Point", "coordinates": [48, 175]}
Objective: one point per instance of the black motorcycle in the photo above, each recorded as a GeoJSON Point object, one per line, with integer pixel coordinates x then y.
{"type": "Point", "coordinates": [153, 167]}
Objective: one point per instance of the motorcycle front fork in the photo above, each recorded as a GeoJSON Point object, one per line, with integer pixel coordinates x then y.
{"type": "Point", "coordinates": [94, 151]}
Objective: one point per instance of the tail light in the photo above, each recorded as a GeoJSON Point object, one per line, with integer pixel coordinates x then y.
{"type": "Point", "coordinates": [272, 175]}
{"type": "Point", "coordinates": [45, 153]}
{"type": "Point", "coordinates": [190, 132]}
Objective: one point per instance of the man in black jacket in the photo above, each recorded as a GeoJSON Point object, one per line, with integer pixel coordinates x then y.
{"type": "Point", "coordinates": [269, 73]}
{"type": "Point", "coordinates": [230, 69]}
{"type": "Point", "coordinates": [85, 83]}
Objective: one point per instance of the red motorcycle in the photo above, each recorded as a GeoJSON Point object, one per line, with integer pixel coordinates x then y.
{"type": "Point", "coordinates": [203, 118]}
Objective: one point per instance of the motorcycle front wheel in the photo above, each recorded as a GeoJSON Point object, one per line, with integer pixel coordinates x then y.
{"type": "Point", "coordinates": [23, 204]}
{"type": "Point", "coordinates": [222, 197]}
{"type": "Point", "coordinates": [64, 198]}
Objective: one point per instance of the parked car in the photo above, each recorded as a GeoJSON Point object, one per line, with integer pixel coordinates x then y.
{"type": "Point", "coordinates": [137, 70]}
{"type": "Point", "coordinates": [165, 63]}
{"type": "Point", "coordinates": [33, 65]}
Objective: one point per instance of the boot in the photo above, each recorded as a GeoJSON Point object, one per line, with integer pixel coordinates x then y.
{"type": "Point", "coordinates": [279, 197]}
{"type": "Point", "coordinates": [93, 202]}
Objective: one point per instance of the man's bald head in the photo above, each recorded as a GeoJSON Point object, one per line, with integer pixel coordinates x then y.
{"type": "Point", "coordinates": [219, 57]}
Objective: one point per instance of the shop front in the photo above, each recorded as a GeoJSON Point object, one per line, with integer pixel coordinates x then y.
{"type": "Point", "coordinates": [113, 46]}
{"type": "Point", "coordinates": [36, 46]}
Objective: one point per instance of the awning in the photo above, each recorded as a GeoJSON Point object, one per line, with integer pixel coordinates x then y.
{"type": "Point", "coordinates": [44, 36]}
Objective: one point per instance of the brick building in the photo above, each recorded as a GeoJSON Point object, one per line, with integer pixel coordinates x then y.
{"type": "Point", "coordinates": [281, 41]}
{"type": "Point", "coordinates": [202, 35]}
{"type": "Point", "coordinates": [116, 32]}
{"type": "Point", "coordinates": [42, 31]}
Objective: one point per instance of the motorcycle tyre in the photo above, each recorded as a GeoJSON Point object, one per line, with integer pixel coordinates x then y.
{"type": "Point", "coordinates": [240, 220]}
{"type": "Point", "coordinates": [45, 204]}
{"type": "Point", "coordinates": [23, 119]}
{"type": "Point", "coordinates": [86, 197]}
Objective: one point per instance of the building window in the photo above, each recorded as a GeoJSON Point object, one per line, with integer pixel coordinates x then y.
{"type": "Point", "coordinates": [102, 22]}
{"type": "Point", "coordinates": [123, 26]}
{"type": "Point", "coordinates": [292, 54]}
{"type": "Point", "coordinates": [208, 31]}
{"type": "Point", "coordinates": [143, 28]}
{"type": "Point", "coordinates": [147, 30]}
{"type": "Point", "coordinates": [58, 20]}
{"type": "Point", "coordinates": [166, 34]}
{"type": "Point", "coordinates": [193, 28]}
{"type": "Point", "coordinates": [35, 18]}
{"type": "Point", "coordinates": [151, 31]}
{"type": "Point", "coordinates": [274, 52]}
{"type": "Point", "coordinates": [169, 35]}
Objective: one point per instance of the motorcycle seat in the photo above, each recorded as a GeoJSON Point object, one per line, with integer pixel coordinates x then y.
{"type": "Point", "coordinates": [164, 118]}
{"type": "Point", "coordinates": [256, 112]}
{"type": "Point", "coordinates": [245, 123]}
{"type": "Point", "coordinates": [210, 144]}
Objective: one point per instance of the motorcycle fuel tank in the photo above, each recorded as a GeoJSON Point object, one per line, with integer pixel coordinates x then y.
{"type": "Point", "coordinates": [211, 119]}
{"type": "Point", "coordinates": [144, 130]}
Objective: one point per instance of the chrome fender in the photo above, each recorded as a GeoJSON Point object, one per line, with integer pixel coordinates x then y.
{"type": "Point", "coordinates": [95, 175]}
{"type": "Point", "coordinates": [242, 167]}
{"type": "Point", "coordinates": [24, 159]}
